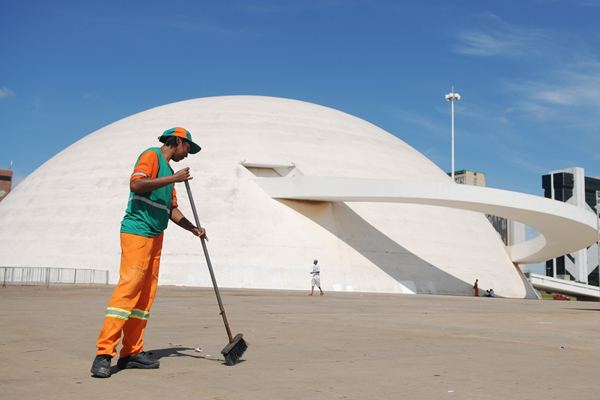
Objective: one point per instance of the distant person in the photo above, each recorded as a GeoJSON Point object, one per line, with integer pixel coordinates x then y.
{"type": "Point", "coordinates": [490, 293]}
{"type": "Point", "coordinates": [316, 278]}
{"type": "Point", "coordinates": [476, 288]}
{"type": "Point", "coordinates": [152, 203]}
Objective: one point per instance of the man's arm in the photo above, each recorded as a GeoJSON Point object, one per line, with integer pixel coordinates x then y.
{"type": "Point", "coordinates": [146, 185]}
{"type": "Point", "coordinates": [182, 221]}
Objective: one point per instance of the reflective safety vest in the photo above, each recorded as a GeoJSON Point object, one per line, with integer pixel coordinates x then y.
{"type": "Point", "coordinates": [148, 214]}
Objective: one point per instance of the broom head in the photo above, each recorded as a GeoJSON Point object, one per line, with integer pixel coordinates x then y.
{"type": "Point", "coordinates": [234, 350]}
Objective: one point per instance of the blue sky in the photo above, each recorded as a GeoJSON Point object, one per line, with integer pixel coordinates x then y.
{"type": "Point", "coordinates": [528, 72]}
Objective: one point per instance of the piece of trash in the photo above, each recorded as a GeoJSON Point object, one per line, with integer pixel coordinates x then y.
{"type": "Point", "coordinates": [198, 349]}
{"type": "Point", "coordinates": [450, 391]}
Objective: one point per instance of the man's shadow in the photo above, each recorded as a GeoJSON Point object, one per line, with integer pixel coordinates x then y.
{"type": "Point", "coordinates": [172, 352]}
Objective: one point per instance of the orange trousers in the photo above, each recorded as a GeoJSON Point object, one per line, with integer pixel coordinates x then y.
{"type": "Point", "coordinates": [129, 306]}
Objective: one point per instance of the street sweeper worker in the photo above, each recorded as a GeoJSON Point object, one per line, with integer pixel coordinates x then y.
{"type": "Point", "coordinates": [152, 202]}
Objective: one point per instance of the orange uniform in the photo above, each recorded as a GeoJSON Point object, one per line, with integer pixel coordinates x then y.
{"type": "Point", "coordinates": [141, 245]}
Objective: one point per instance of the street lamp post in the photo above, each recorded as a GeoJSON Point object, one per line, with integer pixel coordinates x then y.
{"type": "Point", "coordinates": [452, 97]}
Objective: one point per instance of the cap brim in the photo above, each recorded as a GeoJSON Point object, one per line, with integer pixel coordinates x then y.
{"type": "Point", "coordinates": [194, 148]}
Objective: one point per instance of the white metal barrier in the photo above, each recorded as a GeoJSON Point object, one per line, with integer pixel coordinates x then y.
{"type": "Point", "coordinates": [48, 275]}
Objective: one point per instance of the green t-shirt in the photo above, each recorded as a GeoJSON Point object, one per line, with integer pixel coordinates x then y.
{"type": "Point", "coordinates": [148, 214]}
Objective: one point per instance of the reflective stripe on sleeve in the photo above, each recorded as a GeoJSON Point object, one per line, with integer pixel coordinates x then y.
{"type": "Point", "coordinates": [140, 314]}
{"type": "Point", "coordinates": [119, 313]}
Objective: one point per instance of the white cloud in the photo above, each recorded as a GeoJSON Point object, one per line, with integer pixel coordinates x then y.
{"type": "Point", "coordinates": [525, 107]}
{"type": "Point", "coordinates": [567, 71]}
{"type": "Point", "coordinates": [499, 38]}
{"type": "Point", "coordinates": [6, 92]}
{"type": "Point", "coordinates": [553, 96]}
{"type": "Point", "coordinates": [577, 84]}
{"type": "Point", "coordinates": [559, 93]}
{"type": "Point", "coordinates": [484, 44]}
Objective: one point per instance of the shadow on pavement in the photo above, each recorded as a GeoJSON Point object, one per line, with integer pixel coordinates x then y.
{"type": "Point", "coordinates": [178, 352]}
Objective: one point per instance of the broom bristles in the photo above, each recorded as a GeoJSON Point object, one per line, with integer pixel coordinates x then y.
{"type": "Point", "coordinates": [234, 350]}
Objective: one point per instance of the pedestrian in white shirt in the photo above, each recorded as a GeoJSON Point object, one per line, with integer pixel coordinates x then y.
{"type": "Point", "coordinates": [316, 278]}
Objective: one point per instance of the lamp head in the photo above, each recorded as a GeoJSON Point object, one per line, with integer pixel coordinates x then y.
{"type": "Point", "coordinates": [452, 96]}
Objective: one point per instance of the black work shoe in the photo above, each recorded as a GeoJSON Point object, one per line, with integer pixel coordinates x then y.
{"type": "Point", "coordinates": [140, 360]}
{"type": "Point", "coordinates": [101, 366]}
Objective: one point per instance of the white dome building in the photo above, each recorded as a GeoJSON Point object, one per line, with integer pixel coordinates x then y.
{"type": "Point", "coordinates": [68, 212]}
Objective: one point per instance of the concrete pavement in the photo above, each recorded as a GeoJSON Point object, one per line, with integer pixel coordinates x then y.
{"type": "Point", "coordinates": [339, 346]}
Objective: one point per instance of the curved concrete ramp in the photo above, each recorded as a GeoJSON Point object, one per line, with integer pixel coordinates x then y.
{"type": "Point", "coordinates": [563, 228]}
{"type": "Point", "coordinates": [571, 288]}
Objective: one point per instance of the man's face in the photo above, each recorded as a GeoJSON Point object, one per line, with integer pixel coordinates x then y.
{"type": "Point", "coordinates": [182, 150]}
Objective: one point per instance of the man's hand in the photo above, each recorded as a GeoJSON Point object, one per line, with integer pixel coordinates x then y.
{"type": "Point", "coordinates": [146, 185]}
{"type": "Point", "coordinates": [200, 233]}
{"type": "Point", "coordinates": [182, 175]}
{"type": "Point", "coordinates": [179, 219]}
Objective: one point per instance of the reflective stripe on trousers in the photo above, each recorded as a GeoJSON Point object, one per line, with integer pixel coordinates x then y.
{"type": "Point", "coordinates": [113, 312]}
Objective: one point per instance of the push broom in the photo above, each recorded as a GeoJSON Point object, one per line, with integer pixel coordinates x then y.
{"type": "Point", "coordinates": [237, 345]}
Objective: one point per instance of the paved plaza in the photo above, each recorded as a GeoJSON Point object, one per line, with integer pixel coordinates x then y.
{"type": "Point", "coordinates": [339, 346]}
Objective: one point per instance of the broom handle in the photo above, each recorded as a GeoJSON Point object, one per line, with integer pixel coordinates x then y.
{"type": "Point", "coordinates": [210, 269]}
